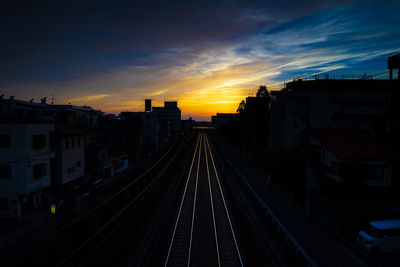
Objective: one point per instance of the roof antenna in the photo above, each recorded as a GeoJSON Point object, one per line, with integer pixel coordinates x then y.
{"type": "Point", "coordinates": [52, 99]}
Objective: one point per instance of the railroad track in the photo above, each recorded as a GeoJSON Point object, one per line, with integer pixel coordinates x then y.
{"type": "Point", "coordinates": [203, 233]}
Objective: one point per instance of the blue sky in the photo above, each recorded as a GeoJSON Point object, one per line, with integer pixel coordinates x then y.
{"type": "Point", "coordinates": [208, 55]}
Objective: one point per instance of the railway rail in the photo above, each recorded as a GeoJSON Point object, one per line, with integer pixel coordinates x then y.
{"type": "Point", "coordinates": [203, 232]}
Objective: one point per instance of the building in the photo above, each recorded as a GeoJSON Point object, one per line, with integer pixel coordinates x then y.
{"type": "Point", "coordinates": [26, 153]}
{"type": "Point", "coordinates": [170, 114]}
{"type": "Point", "coordinates": [99, 162]}
{"type": "Point", "coordinates": [84, 117]}
{"type": "Point", "coordinates": [326, 103]}
{"type": "Point", "coordinates": [223, 118]}
{"type": "Point", "coordinates": [145, 126]}
{"type": "Point", "coordinates": [352, 157]}
{"type": "Point", "coordinates": [70, 156]}
{"type": "Point", "coordinates": [150, 128]}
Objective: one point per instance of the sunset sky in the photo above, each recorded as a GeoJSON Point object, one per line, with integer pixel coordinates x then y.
{"type": "Point", "coordinates": [207, 55]}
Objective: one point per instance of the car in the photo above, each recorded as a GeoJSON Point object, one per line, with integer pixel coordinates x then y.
{"type": "Point", "coordinates": [380, 236]}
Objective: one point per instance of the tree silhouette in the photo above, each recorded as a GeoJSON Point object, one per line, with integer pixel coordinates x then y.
{"type": "Point", "coordinates": [262, 91]}
{"type": "Point", "coordinates": [242, 107]}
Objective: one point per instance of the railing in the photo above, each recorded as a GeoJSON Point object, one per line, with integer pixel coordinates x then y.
{"type": "Point", "coordinates": [326, 76]}
{"type": "Point", "coordinates": [281, 227]}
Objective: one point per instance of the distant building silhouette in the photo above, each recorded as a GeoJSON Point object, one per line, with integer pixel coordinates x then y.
{"type": "Point", "coordinates": [169, 116]}
{"type": "Point", "coordinates": [355, 104]}
{"type": "Point", "coordinates": [223, 118]}
{"type": "Point", "coordinates": [346, 130]}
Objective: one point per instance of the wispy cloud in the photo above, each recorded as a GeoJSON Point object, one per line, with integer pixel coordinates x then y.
{"type": "Point", "coordinates": [89, 98]}
{"type": "Point", "coordinates": [209, 66]}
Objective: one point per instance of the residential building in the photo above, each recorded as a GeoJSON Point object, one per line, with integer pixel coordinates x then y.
{"type": "Point", "coordinates": [352, 157]}
{"type": "Point", "coordinates": [170, 114]}
{"type": "Point", "coordinates": [84, 116]}
{"type": "Point", "coordinates": [70, 156]}
{"type": "Point", "coordinates": [26, 153]}
{"type": "Point", "coordinates": [98, 162]}
{"type": "Point", "coordinates": [326, 103]}
{"type": "Point", "coordinates": [145, 127]}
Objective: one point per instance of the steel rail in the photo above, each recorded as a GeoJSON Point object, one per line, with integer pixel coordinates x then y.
{"type": "Point", "coordinates": [183, 198]}
{"type": "Point", "coordinates": [194, 203]}
{"type": "Point", "coordinates": [223, 199]}
{"type": "Point", "coordinates": [212, 205]}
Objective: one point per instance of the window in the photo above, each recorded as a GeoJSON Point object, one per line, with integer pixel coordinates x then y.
{"type": "Point", "coordinates": [72, 142]}
{"type": "Point", "coordinates": [39, 170]}
{"type": "Point", "coordinates": [78, 163]}
{"type": "Point", "coordinates": [376, 173]}
{"type": "Point", "coordinates": [66, 143]}
{"type": "Point", "coordinates": [5, 172]}
{"type": "Point", "coordinates": [39, 141]}
{"type": "Point", "coordinates": [5, 140]}
{"type": "Point", "coordinates": [3, 203]}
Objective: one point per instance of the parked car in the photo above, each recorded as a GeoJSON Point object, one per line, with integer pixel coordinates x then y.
{"type": "Point", "coordinates": [380, 236]}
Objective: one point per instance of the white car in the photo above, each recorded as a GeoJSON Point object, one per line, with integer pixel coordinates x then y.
{"type": "Point", "coordinates": [380, 236]}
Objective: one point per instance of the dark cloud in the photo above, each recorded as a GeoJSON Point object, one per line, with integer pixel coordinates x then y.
{"type": "Point", "coordinates": [56, 40]}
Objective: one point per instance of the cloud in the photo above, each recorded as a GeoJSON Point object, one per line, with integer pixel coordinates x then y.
{"type": "Point", "coordinates": [208, 58]}
{"type": "Point", "coordinates": [89, 98]}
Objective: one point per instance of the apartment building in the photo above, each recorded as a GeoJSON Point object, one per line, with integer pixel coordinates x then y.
{"type": "Point", "coordinates": [26, 153]}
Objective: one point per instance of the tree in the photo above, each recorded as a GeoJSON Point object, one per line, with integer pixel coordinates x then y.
{"type": "Point", "coordinates": [242, 107]}
{"type": "Point", "coordinates": [262, 91]}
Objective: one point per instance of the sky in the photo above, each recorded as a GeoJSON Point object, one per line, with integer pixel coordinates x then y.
{"type": "Point", "coordinates": [207, 55]}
